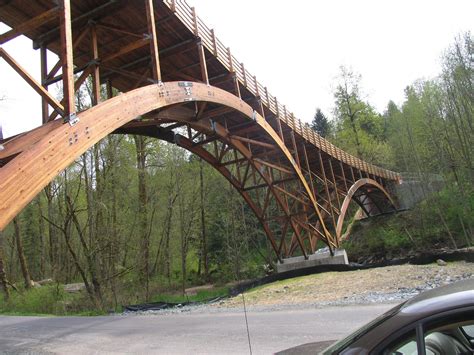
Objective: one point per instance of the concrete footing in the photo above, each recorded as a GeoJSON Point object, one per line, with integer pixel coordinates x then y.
{"type": "Point", "coordinates": [321, 257]}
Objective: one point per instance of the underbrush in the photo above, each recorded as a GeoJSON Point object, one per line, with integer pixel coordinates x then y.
{"type": "Point", "coordinates": [53, 300]}
{"type": "Point", "coordinates": [439, 222]}
{"type": "Point", "coordinates": [46, 300]}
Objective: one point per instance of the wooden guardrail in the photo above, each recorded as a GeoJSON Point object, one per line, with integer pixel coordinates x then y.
{"type": "Point", "coordinates": [188, 17]}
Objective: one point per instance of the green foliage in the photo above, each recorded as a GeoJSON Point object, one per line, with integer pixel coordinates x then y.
{"type": "Point", "coordinates": [321, 124]}
{"type": "Point", "coordinates": [45, 300]}
{"type": "Point", "coordinates": [359, 129]}
{"type": "Point", "coordinates": [417, 230]}
{"type": "Point", "coordinates": [200, 296]}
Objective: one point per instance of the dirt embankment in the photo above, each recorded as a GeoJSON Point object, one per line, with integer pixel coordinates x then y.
{"type": "Point", "coordinates": [384, 284]}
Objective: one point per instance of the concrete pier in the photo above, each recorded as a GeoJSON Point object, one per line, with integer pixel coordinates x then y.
{"type": "Point", "coordinates": [321, 257]}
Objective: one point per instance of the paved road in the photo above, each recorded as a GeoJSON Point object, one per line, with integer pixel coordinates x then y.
{"type": "Point", "coordinates": [191, 333]}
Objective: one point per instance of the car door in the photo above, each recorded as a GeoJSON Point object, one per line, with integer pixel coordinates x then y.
{"type": "Point", "coordinates": [450, 333]}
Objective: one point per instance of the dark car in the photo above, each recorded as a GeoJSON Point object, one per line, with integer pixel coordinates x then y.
{"type": "Point", "coordinates": [439, 321]}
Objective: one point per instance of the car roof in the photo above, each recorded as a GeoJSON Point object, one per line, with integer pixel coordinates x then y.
{"type": "Point", "coordinates": [442, 298]}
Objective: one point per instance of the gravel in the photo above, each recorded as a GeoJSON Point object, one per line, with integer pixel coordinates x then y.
{"type": "Point", "coordinates": [392, 284]}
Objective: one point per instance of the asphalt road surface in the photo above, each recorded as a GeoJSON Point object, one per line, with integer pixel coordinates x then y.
{"type": "Point", "coordinates": [185, 333]}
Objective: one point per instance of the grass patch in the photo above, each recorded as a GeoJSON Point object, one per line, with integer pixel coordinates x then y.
{"type": "Point", "coordinates": [46, 301]}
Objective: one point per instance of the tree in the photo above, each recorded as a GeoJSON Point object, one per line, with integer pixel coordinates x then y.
{"type": "Point", "coordinates": [349, 105]}
{"type": "Point", "coordinates": [21, 255]}
{"type": "Point", "coordinates": [359, 128]}
{"type": "Point", "coordinates": [144, 255]}
{"type": "Point", "coordinates": [321, 124]}
{"type": "Point", "coordinates": [3, 275]}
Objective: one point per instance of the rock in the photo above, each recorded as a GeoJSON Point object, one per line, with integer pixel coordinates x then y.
{"type": "Point", "coordinates": [45, 282]}
{"type": "Point", "coordinates": [441, 262]}
{"type": "Point", "coordinates": [73, 288]}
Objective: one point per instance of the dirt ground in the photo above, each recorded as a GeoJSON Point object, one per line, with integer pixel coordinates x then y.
{"type": "Point", "coordinates": [385, 284]}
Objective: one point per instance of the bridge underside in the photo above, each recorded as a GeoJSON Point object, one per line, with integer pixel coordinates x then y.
{"type": "Point", "coordinates": [298, 184]}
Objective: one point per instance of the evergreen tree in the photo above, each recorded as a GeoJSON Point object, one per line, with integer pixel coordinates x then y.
{"type": "Point", "coordinates": [321, 124]}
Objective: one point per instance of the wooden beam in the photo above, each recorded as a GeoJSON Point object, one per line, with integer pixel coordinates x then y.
{"type": "Point", "coordinates": [32, 82]}
{"type": "Point", "coordinates": [118, 30]}
{"type": "Point", "coordinates": [29, 25]}
{"type": "Point", "coordinates": [202, 62]}
{"type": "Point", "coordinates": [106, 9]}
{"type": "Point", "coordinates": [254, 142]}
{"type": "Point", "coordinates": [155, 58]}
{"type": "Point", "coordinates": [67, 58]}
{"type": "Point", "coordinates": [95, 67]}
{"type": "Point", "coordinates": [44, 75]}
{"type": "Point", "coordinates": [274, 166]}
{"type": "Point", "coordinates": [126, 49]}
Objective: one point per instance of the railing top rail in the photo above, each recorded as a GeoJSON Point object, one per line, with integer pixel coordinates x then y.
{"type": "Point", "coordinates": [195, 24]}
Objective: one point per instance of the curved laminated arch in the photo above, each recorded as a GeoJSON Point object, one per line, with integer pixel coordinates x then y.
{"type": "Point", "coordinates": [45, 156]}
{"type": "Point", "coordinates": [350, 195]}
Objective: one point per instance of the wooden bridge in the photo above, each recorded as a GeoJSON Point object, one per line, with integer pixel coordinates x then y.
{"type": "Point", "coordinates": [179, 83]}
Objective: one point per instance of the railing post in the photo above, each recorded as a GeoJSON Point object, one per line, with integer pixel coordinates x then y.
{"type": "Point", "coordinates": [231, 62]}
{"type": "Point", "coordinates": [244, 74]}
{"type": "Point", "coordinates": [214, 43]}
{"type": "Point", "coordinates": [195, 22]}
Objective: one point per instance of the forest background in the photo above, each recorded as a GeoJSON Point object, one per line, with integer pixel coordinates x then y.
{"type": "Point", "coordinates": [135, 218]}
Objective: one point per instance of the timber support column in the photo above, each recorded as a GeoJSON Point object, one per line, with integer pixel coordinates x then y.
{"type": "Point", "coordinates": [155, 58]}
{"type": "Point", "coordinates": [67, 62]}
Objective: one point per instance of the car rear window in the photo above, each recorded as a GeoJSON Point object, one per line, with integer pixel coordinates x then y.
{"type": "Point", "coordinates": [344, 343]}
{"type": "Point", "coordinates": [469, 330]}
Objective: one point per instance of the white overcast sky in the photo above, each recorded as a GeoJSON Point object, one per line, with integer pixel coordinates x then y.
{"type": "Point", "coordinates": [296, 48]}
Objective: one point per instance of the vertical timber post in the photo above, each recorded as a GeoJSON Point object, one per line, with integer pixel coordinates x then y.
{"type": "Point", "coordinates": [234, 74]}
{"type": "Point", "coordinates": [278, 121]}
{"type": "Point", "coordinates": [95, 72]}
{"type": "Point", "coordinates": [201, 52]}
{"type": "Point", "coordinates": [155, 58]}
{"type": "Point", "coordinates": [44, 76]}
{"type": "Point", "coordinates": [67, 59]}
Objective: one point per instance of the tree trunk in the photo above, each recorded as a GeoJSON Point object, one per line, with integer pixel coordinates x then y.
{"type": "Point", "coordinates": [21, 255]}
{"type": "Point", "coordinates": [52, 238]}
{"type": "Point", "coordinates": [203, 253]}
{"type": "Point", "coordinates": [144, 253]}
{"type": "Point", "coordinates": [41, 237]}
{"type": "Point", "coordinates": [3, 274]}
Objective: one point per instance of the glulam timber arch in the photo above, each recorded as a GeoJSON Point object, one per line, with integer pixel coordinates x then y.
{"type": "Point", "coordinates": [177, 82]}
{"type": "Point", "coordinates": [43, 159]}
{"type": "Point", "coordinates": [371, 197]}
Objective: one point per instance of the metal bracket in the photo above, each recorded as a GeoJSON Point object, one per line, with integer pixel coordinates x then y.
{"type": "Point", "coordinates": [72, 119]}
{"type": "Point", "coordinates": [254, 115]}
{"type": "Point", "coordinates": [213, 126]}
{"type": "Point", "coordinates": [185, 84]}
